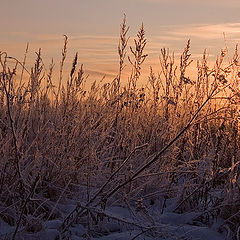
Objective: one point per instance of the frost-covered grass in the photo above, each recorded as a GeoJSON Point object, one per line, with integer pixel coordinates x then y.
{"type": "Point", "coordinates": [119, 160]}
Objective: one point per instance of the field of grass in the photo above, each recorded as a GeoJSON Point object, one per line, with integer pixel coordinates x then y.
{"type": "Point", "coordinates": [175, 140]}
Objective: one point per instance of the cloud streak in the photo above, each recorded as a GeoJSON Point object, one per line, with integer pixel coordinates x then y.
{"type": "Point", "coordinates": [99, 52]}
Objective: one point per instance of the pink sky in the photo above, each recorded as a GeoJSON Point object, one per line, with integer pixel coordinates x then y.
{"type": "Point", "coordinates": [93, 28]}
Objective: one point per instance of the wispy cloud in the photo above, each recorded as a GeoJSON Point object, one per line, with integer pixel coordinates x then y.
{"type": "Point", "coordinates": [99, 52]}
{"type": "Point", "coordinates": [210, 31]}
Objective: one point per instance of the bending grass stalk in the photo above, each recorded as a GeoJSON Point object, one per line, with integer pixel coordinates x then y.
{"type": "Point", "coordinates": [6, 89]}
{"type": "Point", "coordinates": [162, 151]}
{"type": "Point", "coordinates": [70, 218]}
{"type": "Point", "coordinates": [111, 177]}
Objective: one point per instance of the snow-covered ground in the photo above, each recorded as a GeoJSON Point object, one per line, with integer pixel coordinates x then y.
{"type": "Point", "coordinates": [121, 222]}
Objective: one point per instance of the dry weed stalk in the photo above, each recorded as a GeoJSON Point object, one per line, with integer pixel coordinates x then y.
{"type": "Point", "coordinates": [123, 41]}
{"type": "Point", "coordinates": [139, 56]}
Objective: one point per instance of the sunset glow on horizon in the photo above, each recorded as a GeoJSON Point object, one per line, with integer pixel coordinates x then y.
{"type": "Point", "coordinates": [93, 30]}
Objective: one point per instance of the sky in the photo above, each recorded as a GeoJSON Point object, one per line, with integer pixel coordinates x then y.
{"type": "Point", "coordinates": [93, 29]}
